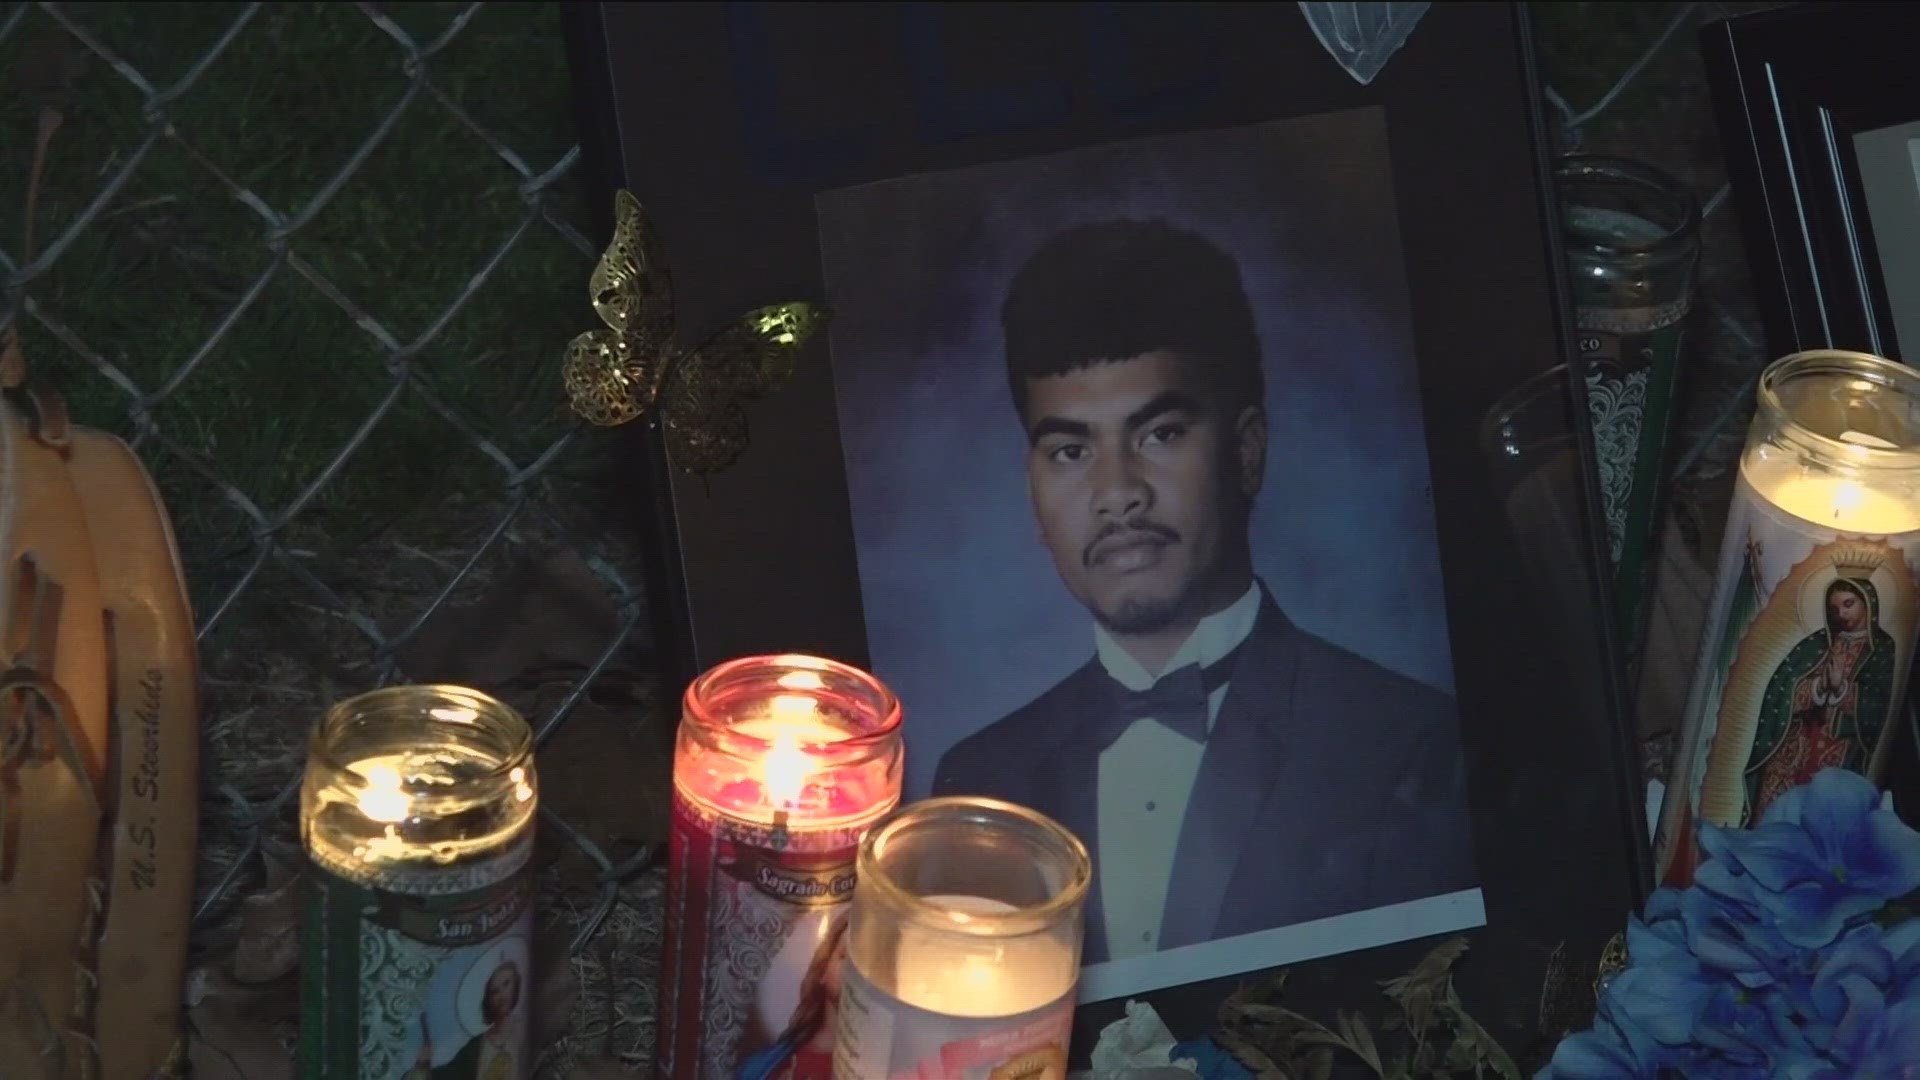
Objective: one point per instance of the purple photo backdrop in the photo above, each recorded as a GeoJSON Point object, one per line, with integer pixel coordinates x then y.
{"type": "Point", "coordinates": [966, 618]}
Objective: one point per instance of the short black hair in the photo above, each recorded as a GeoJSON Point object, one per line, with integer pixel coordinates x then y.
{"type": "Point", "coordinates": [1113, 290]}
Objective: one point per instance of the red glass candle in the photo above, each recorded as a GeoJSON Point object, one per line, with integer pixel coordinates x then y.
{"type": "Point", "coordinates": [781, 766]}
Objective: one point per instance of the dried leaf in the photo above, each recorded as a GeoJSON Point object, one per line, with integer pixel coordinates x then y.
{"type": "Point", "coordinates": [1433, 970]}
{"type": "Point", "coordinates": [1251, 1056]}
{"type": "Point", "coordinates": [1490, 1052]}
{"type": "Point", "coordinates": [1353, 1029]}
{"type": "Point", "coordinates": [239, 1032]}
{"type": "Point", "coordinates": [556, 987]}
{"type": "Point", "coordinates": [1420, 990]}
{"type": "Point", "coordinates": [1433, 1038]}
{"type": "Point", "coordinates": [269, 944]}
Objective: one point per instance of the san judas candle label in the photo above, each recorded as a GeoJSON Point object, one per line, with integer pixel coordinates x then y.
{"type": "Point", "coordinates": [883, 1038]}
{"type": "Point", "coordinates": [416, 975]}
{"type": "Point", "coordinates": [1811, 632]}
{"type": "Point", "coordinates": [753, 920]}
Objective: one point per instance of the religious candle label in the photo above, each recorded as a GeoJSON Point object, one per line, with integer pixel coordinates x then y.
{"type": "Point", "coordinates": [417, 974]}
{"type": "Point", "coordinates": [1810, 635]}
{"type": "Point", "coordinates": [1633, 362]}
{"type": "Point", "coordinates": [754, 917]}
{"type": "Point", "coordinates": [883, 1038]}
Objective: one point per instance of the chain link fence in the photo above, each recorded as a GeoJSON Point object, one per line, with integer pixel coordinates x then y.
{"type": "Point", "coordinates": [317, 263]}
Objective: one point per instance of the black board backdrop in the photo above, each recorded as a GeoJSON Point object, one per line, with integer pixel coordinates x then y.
{"type": "Point", "coordinates": [727, 119]}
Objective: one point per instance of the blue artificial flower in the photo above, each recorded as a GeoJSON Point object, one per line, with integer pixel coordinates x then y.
{"type": "Point", "coordinates": [1769, 967]}
{"type": "Point", "coordinates": [1735, 940]}
{"type": "Point", "coordinates": [1828, 853]}
{"type": "Point", "coordinates": [1664, 988]}
{"type": "Point", "coordinates": [1886, 1049]}
{"type": "Point", "coordinates": [1749, 1029]}
{"type": "Point", "coordinates": [1868, 969]}
{"type": "Point", "coordinates": [1662, 913]}
{"type": "Point", "coordinates": [1603, 1052]}
{"type": "Point", "coordinates": [1211, 1060]}
{"type": "Point", "coordinates": [1796, 1064]}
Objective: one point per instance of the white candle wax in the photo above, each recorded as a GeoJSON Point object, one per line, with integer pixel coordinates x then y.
{"type": "Point", "coordinates": [957, 974]}
{"type": "Point", "coordinates": [1842, 504]}
{"type": "Point", "coordinates": [1872, 502]}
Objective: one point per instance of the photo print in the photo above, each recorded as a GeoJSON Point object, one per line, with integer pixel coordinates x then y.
{"type": "Point", "coordinates": [1142, 511]}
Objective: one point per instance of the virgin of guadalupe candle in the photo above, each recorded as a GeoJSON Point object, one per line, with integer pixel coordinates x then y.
{"type": "Point", "coordinates": [1812, 621]}
{"type": "Point", "coordinates": [963, 952]}
{"type": "Point", "coordinates": [417, 814]}
{"type": "Point", "coordinates": [781, 765]}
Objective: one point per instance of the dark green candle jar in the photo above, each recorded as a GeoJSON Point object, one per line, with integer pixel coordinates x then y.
{"type": "Point", "coordinates": [1632, 238]}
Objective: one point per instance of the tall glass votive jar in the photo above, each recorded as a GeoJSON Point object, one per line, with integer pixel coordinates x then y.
{"type": "Point", "coordinates": [1632, 235]}
{"type": "Point", "coordinates": [1811, 626]}
{"type": "Point", "coordinates": [417, 815]}
{"type": "Point", "coordinates": [963, 952]}
{"type": "Point", "coordinates": [781, 766]}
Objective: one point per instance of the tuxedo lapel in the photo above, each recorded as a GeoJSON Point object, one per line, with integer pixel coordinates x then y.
{"type": "Point", "coordinates": [1067, 777]}
{"type": "Point", "coordinates": [1240, 764]}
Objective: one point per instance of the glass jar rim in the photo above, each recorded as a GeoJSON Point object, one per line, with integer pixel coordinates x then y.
{"type": "Point", "coordinates": [1684, 207]}
{"type": "Point", "coordinates": [1838, 362]}
{"type": "Point", "coordinates": [887, 711]}
{"type": "Point", "coordinates": [520, 740]}
{"type": "Point", "coordinates": [1512, 405]}
{"type": "Point", "coordinates": [1020, 921]}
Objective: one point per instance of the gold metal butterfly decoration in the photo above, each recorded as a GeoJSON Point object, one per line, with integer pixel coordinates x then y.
{"type": "Point", "coordinates": [635, 367]}
{"type": "Point", "coordinates": [1573, 987]}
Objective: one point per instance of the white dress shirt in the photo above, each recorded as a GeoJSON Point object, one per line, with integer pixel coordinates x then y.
{"type": "Point", "coordinates": [1146, 778]}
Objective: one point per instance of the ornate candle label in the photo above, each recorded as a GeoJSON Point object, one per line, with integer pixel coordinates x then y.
{"type": "Point", "coordinates": [883, 1038]}
{"type": "Point", "coordinates": [754, 917]}
{"type": "Point", "coordinates": [417, 975]}
{"type": "Point", "coordinates": [1633, 363]}
{"type": "Point", "coordinates": [1810, 633]}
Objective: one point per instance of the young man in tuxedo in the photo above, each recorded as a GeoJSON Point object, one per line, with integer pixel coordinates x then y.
{"type": "Point", "coordinates": [1229, 771]}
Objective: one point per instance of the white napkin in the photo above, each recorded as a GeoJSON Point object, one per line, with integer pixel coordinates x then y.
{"type": "Point", "coordinates": [1138, 1046]}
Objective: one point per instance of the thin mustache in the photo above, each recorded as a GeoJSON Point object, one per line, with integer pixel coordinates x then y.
{"type": "Point", "coordinates": [1157, 531]}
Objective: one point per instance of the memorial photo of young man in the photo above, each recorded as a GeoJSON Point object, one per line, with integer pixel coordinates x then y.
{"type": "Point", "coordinates": [1206, 724]}
{"type": "Point", "coordinates": [1136, 462]}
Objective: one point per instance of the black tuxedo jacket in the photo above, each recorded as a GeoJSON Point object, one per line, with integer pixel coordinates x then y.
{"type": "Point", "coordinates": [1328, 785]}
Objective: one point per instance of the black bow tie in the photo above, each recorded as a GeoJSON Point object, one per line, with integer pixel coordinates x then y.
{"type": "Point", "coordinates": [1177, 699]}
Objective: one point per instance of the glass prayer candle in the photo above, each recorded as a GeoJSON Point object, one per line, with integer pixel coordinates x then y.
{"type": "Point", "coordinates": [963, 951]}
{"type": "Point", "coordinates": [417, 815]}
{"type": "Point", "coordinates": [1632, 236]}
{"type": "Point", "coordinates": [1811, 625]}
{"type": "Point", "coordinates": [781, 765]}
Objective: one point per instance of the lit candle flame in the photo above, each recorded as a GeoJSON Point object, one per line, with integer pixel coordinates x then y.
{"type": "Point", "coordinates": [801, 680]}
{"type": "Point", "coordinates": [787, 767]}
{"type": "Point", "coordinates": [980, 975]}
{"type": "Point", "coordinates": [384, 799]}
{"type": "Point", "coordinates": [1847, 499]}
